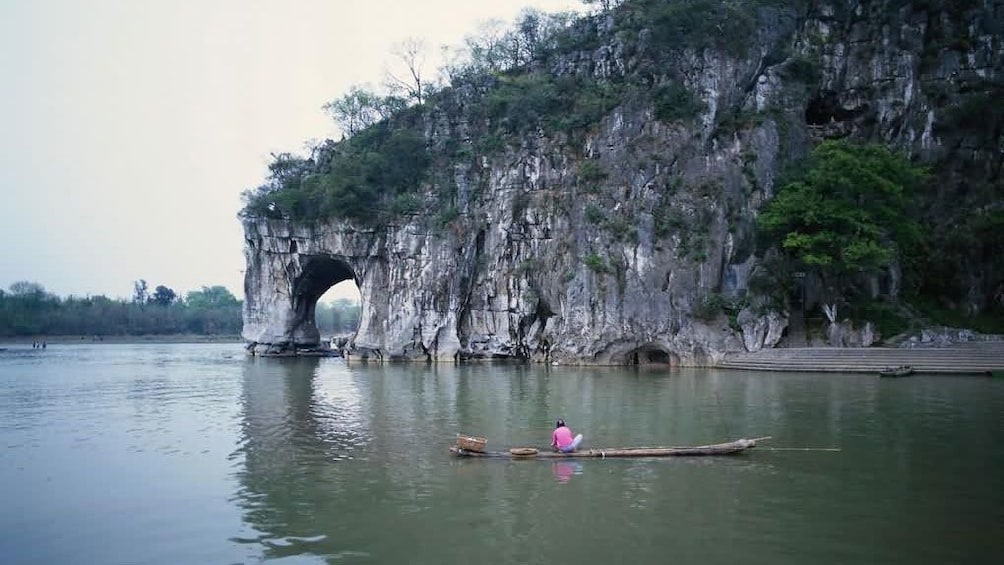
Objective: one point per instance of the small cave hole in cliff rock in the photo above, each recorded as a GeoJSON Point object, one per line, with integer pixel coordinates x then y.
{"type": "Point", "coordinates": [651, 355]}
{"type": "Point", "coordinates": [826, 108]}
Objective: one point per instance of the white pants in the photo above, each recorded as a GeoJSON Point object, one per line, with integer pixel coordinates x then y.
{"type": "Point", "coordinates": [572, 446]}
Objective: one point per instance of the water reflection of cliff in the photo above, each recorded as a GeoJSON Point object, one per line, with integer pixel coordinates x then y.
{"type": "Point", "coordinates": [296, 427]}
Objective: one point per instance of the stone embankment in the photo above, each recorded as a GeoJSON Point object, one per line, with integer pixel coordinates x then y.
{"type": "Point", "coordinates": [966, 358]}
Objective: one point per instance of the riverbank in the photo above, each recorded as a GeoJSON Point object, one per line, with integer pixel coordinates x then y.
{"type": "Point", "coordinates": [77, 339]}
{"type": "Point", "coordinates": [976, 358]}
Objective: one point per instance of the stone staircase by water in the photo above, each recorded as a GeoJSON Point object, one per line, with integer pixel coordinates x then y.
{"type": "Point", "coordinates": [966, 358]}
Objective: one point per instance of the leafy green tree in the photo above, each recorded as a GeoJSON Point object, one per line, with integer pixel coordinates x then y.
{"type": "Point", "coordinates": [212, 310]}
{"type": "Point", "coordinates": [163, 296]}
{"type": "Point", "coordinates": [211, 297]}
{"type": "Point", "coordinates": [848, 214]}
{"type": "Point", "coordinates": [285, 176]}
{"type": "Point", "coordinates": [27, 309]}
{"type": "Point", "coordinates": [360, 108]}
{"type": "Point", "coordinates": [26, 288]}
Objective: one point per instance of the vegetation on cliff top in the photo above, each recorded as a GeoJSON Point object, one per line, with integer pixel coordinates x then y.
{"type": "Point", "coordinates": [507, 85]}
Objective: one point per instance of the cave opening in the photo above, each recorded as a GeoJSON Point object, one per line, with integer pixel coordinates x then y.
{"type": "Point", "coordinates": [651, 355]}
{"type": "Point", "coordinates": [826, 108]}
{"type": "Point", "coordinates": [327, 300]}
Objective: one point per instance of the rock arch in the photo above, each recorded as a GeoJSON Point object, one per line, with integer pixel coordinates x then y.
{"type": "Point", "coordinates": [320, 272]}
{"type": "Point", "coordinates": [283, 322]}
{"type": "Point", "coordinates": [287, 272]}
{"type": "Point", "coordinates": [417, 292]}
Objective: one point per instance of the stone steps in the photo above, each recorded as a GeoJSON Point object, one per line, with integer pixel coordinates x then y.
{"type": "Point", "coordinates": [968, 358]}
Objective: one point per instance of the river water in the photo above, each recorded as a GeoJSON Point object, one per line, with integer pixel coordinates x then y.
{"type": "Point", "coordinates": [179, 453]}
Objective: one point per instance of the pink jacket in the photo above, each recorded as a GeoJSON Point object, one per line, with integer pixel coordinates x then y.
{"type": "Point", "coordinates": [561, 437]}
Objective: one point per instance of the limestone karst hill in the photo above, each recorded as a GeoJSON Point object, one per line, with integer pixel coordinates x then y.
{"type": "Point", "coordinates": [596, 201]}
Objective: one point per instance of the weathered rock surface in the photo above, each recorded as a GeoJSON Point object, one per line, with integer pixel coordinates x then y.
{"type": "Point", "coordinates": [600, 249]}
{"type": "Point", "coordinates": [761, 331]}
{"type": "Point", "coordinates": [945, 337]}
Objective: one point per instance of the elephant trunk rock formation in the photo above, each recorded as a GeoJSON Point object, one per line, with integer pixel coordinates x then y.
{"type": "Point", "coordinates": [496, 293]}
{"type": "Point", "coordinates": [618, 240]}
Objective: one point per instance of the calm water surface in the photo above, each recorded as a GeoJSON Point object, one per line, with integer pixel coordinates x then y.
{"type": "Point", "coordinates": [168, 454]}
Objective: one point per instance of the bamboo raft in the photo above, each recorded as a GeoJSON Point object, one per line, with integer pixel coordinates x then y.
{"type": "Point", "coordinates": [729, 448]}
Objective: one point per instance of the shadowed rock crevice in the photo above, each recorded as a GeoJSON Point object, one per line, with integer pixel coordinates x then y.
{"type": "Point", "coordinates": [651, 355]}
{"type": "Point", "coordinates": [826, 108]}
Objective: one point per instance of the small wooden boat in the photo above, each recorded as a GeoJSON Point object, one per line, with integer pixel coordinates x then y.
{"type": "Point", "coordinates": [901, 371]}
{"type": "Point", "coordinates": [729, 448]}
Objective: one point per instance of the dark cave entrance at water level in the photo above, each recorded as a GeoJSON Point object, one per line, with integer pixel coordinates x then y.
{"type": "Point", "coordinates": [651, 355]}
{"type": "Point", "coordinates": [327, 300]}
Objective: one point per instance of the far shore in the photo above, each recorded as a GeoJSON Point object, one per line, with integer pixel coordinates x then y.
{"type": "Point", "coordinates": [77, 339]}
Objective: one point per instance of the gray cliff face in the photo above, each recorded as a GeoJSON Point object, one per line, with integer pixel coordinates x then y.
{"type": "Point", "coordinates": [603, 248]}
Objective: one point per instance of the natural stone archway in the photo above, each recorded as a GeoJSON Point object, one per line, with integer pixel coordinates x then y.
{"type": "Point", "coordinates": [284, 279]}
{"type": "Point", "coordinates": [285, 321]}
{"type": "Point", "coordinates": [319, 274]}
{"type": "Point", "coordinates": [411, 286]}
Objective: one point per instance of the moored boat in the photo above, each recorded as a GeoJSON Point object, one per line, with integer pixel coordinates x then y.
{"type": "Point", "coordinates": [901, 371]}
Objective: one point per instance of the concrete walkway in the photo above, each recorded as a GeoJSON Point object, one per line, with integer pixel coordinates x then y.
{"type": "Point", "coordinates": [966, 358]}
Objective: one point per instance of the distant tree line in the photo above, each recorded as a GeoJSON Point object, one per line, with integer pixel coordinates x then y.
{"type": "Point", "coordinates": [339, 317]}
{"type": "Point", "coordinates": [27, 309]}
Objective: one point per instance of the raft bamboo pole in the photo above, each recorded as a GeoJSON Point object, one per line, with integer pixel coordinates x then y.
{"type": "Point", "coordinates": [800, 448]}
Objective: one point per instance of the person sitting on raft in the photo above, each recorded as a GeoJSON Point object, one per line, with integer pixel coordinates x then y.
{"type": "Point", "coordinates": [562, 440]}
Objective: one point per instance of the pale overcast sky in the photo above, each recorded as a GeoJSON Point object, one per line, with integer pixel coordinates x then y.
{"type": "Point", "coordinates": [130, 127]}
